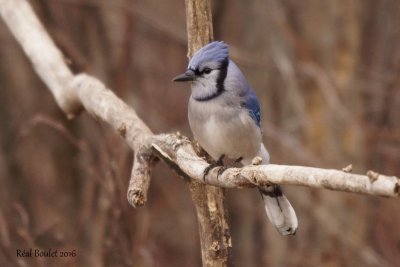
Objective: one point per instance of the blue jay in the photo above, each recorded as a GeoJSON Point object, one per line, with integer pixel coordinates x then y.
{"type": "Point", "coordinates": [224, 116]}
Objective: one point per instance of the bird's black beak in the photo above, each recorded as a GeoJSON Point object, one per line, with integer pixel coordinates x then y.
{"type": "Point", "coordinates": [187, 76]}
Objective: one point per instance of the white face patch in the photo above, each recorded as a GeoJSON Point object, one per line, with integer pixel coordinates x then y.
{"type": "Point", "coordinates": [205, 85]}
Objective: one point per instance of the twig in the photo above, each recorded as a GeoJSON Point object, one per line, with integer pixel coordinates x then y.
{"type": "Point", "coordinates": [140, 177]}
{"type": "Point", "coordinates": [102, 103]}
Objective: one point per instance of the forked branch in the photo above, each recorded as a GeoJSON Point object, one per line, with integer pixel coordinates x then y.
{"type": "Point", "coordinates": [74, 92]}
{"type": "Point", "coordinates": [77, 92]}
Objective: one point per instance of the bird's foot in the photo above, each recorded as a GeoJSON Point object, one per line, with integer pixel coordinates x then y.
{"type": "Point", "coordinates": [219, 162]}
{"type": "Point", "coordinates": [221, 170]}
{"type": "Point", "coordinates": [231, 165]}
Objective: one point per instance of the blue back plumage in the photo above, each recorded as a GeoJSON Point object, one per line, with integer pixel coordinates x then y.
{"type": "Point", "coordinates": [253, 106]}
{"type": "Point", "coordinates": [215, 52]}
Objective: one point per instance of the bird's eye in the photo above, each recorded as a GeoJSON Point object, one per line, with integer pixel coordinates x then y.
{"type": "Point", "coordinates": [207, 70]}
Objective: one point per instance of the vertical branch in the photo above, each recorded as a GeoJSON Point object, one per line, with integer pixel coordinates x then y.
{"type": "Point", "coordinates": [212, 216]}
{"type": "Point", "coordinates": [215, 239]}
{"type": "Point", "coordinates": [199, 24]}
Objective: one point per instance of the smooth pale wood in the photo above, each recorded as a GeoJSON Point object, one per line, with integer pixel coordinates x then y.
{"type": "Point", "coordinates": [181, 156]}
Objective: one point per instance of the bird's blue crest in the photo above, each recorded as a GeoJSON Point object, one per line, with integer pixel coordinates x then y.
{"type": "Point", "coordinates": [213, 52]}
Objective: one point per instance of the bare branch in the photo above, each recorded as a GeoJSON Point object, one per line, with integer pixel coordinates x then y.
{"type": "Point", "coordinates": [140, 177]}
{"type": "Point", "coordinates": [83, 91]}
{"type": "Point", "coordinates": [181, 155]}
{"type": "Point", "coordinates": [103, 104]}
{"type": "Point", "coordinates": [46, 58]}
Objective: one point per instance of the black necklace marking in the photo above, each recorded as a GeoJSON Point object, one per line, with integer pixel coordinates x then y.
{"type": "Point", "coordinates": [220, 82]}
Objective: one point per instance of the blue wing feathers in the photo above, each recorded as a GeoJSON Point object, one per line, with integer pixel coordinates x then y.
{"type": "Point", "coordinates": [253, 106]}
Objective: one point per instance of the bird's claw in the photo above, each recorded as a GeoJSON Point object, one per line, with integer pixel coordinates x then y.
{"type": "Point", "coordinates": [212, 165]}
{"type": "Point", "coordinates": [206, 171]}
{"type": "Point", "coordinates": [220, 163]}
{"type": "Point", "coordinates": [233, 164]}
{"type": "Point", "coordinates": [221, 170]}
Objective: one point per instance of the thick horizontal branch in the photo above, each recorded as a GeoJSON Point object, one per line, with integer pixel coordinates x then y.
{"type": "Point", "coordinates": [179, 154]}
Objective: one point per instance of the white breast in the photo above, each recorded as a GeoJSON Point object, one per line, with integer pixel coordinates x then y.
{"type": "Point", "coordinates": [224, 130]}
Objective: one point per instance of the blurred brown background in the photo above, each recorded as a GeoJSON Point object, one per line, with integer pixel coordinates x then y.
{"type": "Point", "coordinates": [326, 72]}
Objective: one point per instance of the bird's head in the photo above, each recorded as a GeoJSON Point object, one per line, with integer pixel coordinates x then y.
{"type": "Point", "coordinates": [208, 65]}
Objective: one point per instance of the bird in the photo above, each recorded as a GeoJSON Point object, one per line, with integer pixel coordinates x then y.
{"type": "Point", "coordinates": [225, 119]}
